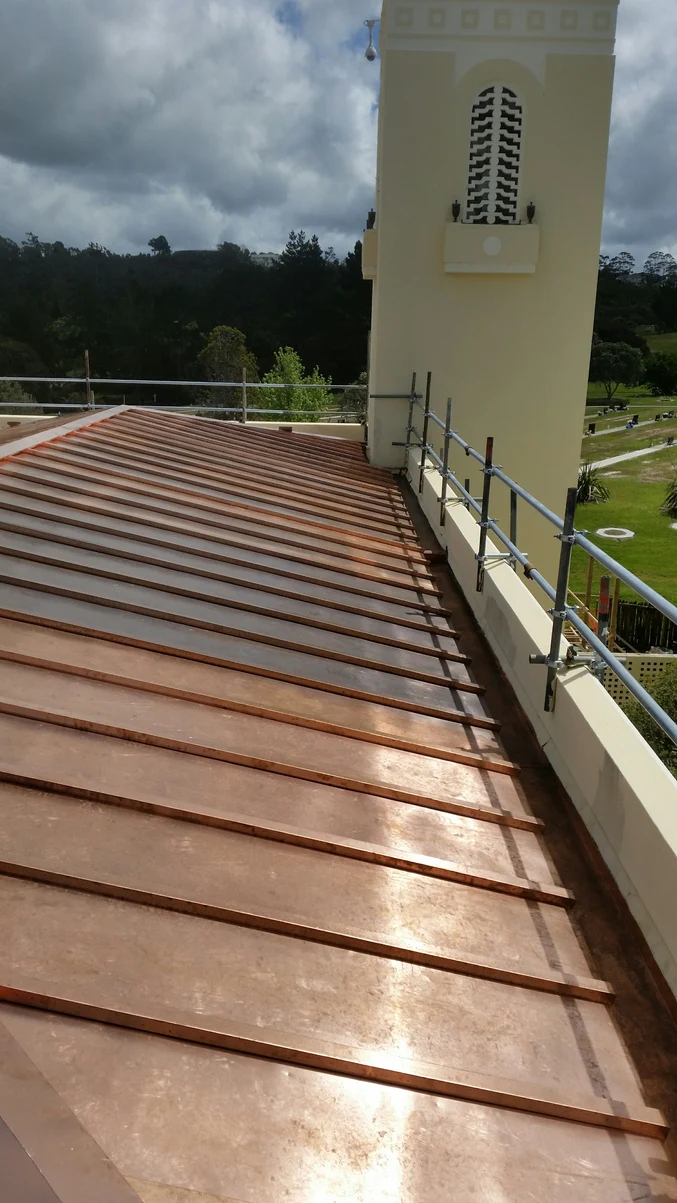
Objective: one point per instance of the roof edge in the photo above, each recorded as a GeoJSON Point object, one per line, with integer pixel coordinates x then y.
{"type": "Point", "coordinates": [68, 426]}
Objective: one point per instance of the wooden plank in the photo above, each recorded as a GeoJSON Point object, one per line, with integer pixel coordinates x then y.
{"type": "Point", "coordinates": [31, 497]}
{"type": "Point", "coordinates": [157, 602]}
{"type": "Point", "coordinates": [133, 714]}
{"type": "Point", "coordinates": [101, 558]}
{"type": "Point", "coordinates": [312, 1004]}
{"type": "Point", "coordinates": [198, 682]}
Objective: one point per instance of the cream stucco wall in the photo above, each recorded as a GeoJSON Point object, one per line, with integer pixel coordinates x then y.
{"type": "Point", "coordinates": [511, 350]}
{"type": "Point", "coordinates": [624, 794]}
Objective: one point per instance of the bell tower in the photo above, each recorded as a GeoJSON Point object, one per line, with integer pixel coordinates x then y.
{"type": "Point", "coordinates": [493, 138]}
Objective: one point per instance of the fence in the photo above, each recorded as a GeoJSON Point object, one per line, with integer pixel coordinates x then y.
{"type": "Point", "coordinates": [643, 628]}
{"type": "Point", "coordinates": [242, 412]}
{"type": "Point", "coordinates": [647, 670]}
{"type": "Point", "coordinates": [602, 656]}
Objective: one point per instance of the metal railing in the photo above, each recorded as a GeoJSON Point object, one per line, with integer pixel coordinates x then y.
{"type": "Point", "coordinates": [244, 386]}
{"type": "Point", "coordinates": [561, 612]}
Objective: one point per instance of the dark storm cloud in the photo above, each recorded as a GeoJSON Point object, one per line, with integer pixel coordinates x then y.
{"type": "Point", "coordinates": [219, 119]}
{"type": "Point", "coordinates": [641, 208]}
{"type": "Point", "coordinates": [240, 119]}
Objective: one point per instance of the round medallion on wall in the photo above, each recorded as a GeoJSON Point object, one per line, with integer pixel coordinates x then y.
{"type": "Point", "coordinates": [493, 246]}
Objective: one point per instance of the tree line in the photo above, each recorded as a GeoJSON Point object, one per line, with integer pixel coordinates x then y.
{"type": "Point", "coordinates": [632, 304]}
{"type": "Point", "coordinates": [157, 315]}
{"type": "Point", "coordinates": [184, 315]}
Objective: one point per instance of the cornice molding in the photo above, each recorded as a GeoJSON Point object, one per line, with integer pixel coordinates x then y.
{"type": "Point", "coordinates": [524, 30]}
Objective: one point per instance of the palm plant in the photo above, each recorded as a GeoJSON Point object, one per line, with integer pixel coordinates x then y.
{"type": "Point", "coordinates": [669, 506]}
{"type": "Point", "coordinates": [591, 487]}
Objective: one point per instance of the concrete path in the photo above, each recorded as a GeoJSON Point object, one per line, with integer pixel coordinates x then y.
{"type": "Point", "coordinates": [620, 459]}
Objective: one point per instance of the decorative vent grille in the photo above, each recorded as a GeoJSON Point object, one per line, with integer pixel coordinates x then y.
{"type": "Point", "coordinates": [495, 151]}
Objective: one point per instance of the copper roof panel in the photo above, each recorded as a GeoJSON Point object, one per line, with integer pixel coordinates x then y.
{"type": "Point", "coordinates": [278, 920]}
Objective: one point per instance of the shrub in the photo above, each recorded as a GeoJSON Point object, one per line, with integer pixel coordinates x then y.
{"type": "Point", "coordinates": [11, 393]}
{"type": "Point", "coordinates": [661, 374]}
{"type": "Point", "coordinates": [669, 506]}
{"type": "Point", "coordinates": [664, 690]}
{"type": "Point", "coordinates": [296, 403]}
{"type": "Point", "coordinates": [591, 487]}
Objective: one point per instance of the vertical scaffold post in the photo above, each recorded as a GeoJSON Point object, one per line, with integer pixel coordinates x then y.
{"type": "Point", "coordinates": [424, 435]}
{"type": "Point", "coordinates": [488, 471]}
{"type": "Point", "coordinates": [445, 461]}
{"type": "Point", "coordinates": [513, 525]}
{"type": "Point", "coordinates": [559, 611]}
{"type": "Point", "coordinates": [412, 402]}
{"type": "Point", "coordinates": [244, 395]}
{"type": "Point", "coordinates": [88, 383]}
{"type": "Point", "coordinates": [588, 592]}
{"type": "Point", "coordinates": [613, 625]}
{"type": "Point", "coordinates": [604, 609]}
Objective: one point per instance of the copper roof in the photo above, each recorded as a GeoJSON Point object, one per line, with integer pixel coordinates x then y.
{"type": "Point", "coordinates": [279, 921]}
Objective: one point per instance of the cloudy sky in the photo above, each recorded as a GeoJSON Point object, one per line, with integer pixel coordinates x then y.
{"type": "Point", "coordinates": [208, 120]}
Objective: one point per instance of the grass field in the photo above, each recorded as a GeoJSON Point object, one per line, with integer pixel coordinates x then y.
{"type": "Point", "coordinates": [637, 487]}
{"type": "Point", "coordinates": [604, 446]}
{"type": "Point", "coordinates": [637, 493]}
{"type": "Point", "coordinates": [663, 342]}
{"type": "Point", "coordinates": [631, 394]}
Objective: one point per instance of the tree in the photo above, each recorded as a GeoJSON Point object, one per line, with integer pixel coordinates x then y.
{"type": "Point", "coordinates": [148, 315]}
{"type": "Point", "coordinates": [664, 304]}
{"type": "Point", "coordinates": [18, 359]}
{"type": "Point", "coordinates": [664, 690]}
{"type": "Point", "coordinates": [659, 265]}
{"type": "Point", "coordinates": [622, 265]}
{"type": "Point", "coordinates": [297, 403]}
{"type": "Point", "coordinates": [661, 374]}
{"type": "Point", "coordinates": [159, 245]}
{"type": "Point", "coordinates": [613, 364]}
{"type": "Point", "coordinates": [12, 394]}
{"type": "Point", "coordinates": [355, 397]}
{"type": "Point", "coordinates": [224, 357]}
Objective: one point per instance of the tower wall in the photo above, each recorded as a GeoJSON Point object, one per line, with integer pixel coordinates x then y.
{"type": "Point", "coordinates": [506, 334]}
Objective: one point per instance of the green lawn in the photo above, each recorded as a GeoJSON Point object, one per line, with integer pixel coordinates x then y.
{"type": "Point", "coordinates": [604, 446]}
{"type": "Point", "coordinates": [636, 498]}
{"type": "Point", "coordinates": [631, 393]}
{"type": "Point", "coordinates": [637, 487]}
{"type": "Point", "coordinates": [663, 342]}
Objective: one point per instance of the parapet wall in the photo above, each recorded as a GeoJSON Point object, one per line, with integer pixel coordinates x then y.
{"type": "Point", "coordinates": [624, 794]}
